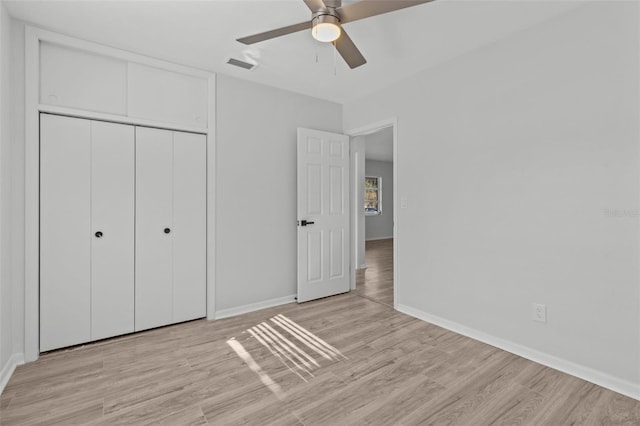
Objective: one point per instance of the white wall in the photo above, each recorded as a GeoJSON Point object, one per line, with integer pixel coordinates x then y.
{"type": "Point", "coordinates": [381, 226]}
{"type": "Point", "coordinates": [256, 187]}
{"type": "Point", "coordinates": [509, 158]}
{"type": "Point", "coordinates": [8, 345]}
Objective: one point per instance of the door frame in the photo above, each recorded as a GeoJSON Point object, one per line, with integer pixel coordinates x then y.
{"type": "Point", "coordinates": [32, 109]}
{"type": "Point", "coordinates": [363, 131]}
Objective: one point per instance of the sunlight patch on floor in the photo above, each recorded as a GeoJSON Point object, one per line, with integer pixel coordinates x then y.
{"type": "Point", "coordinates": [298, 349]}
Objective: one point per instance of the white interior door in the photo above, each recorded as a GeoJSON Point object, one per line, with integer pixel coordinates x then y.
{"type": "Point", "coordinates": [154, 218]}
{"type": "Point", "coordinates": [189, 226]}
{"type": "Point", "coordinates": [65, 231]}
{"type": "Point", "coordinates": [323, 214]}
{"type": "Point", "coordinates": [112, 220]}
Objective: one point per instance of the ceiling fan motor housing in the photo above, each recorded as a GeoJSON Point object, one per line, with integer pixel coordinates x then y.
{"type": "Point", "coordinates": [325, 17]}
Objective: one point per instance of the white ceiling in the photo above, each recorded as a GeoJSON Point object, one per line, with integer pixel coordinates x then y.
{"type": "Point", "coordinates": [202, 34]}
{"type": "Point", "coordinates": [379, 145]}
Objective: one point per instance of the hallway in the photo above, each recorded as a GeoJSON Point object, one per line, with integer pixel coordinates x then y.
{"type": "Point", "coordinates": [376, 281]}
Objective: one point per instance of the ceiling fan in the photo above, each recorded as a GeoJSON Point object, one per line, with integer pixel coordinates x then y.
{"type": "Point", "coordinates": [327, 18]}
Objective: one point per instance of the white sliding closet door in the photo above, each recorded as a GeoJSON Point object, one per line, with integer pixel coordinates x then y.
{"type": "Point", "coordinates": [86, 230]}
{"type": "Point", "coordinates": [190, 222]}
{"type": "Point", "coordinates": [112, 210]}
{"type": "Point", "coordinates": [65, 231]}
{"type": "Point", "coordinates": [154, 215]}
{"type": "Point", "coordinates": [170, 227]}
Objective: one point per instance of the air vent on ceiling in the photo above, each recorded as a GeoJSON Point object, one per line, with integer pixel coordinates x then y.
{"type": "Point", "coordinates": [241, 64]}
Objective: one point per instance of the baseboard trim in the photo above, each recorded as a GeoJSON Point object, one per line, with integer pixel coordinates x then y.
{"type": "Point", "coordinates": [9, 368]}
{"type": "Point", "coordinates": [251, 307]}
{"type": "Point", "coordinates": [379, 238]}
{"type": "Point", "coordinates": [605, 380]}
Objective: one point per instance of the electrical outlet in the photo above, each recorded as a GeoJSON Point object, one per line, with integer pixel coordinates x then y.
{"type": "Point", "coordinates": [539, 312]}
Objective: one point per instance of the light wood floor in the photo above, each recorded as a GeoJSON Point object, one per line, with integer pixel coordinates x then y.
{"type": "Point", "coordinates": [365, 364]}
{"type": "Point", "coordinates": [376, 281]}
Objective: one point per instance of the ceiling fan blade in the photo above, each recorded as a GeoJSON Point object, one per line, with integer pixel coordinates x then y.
{"type": "Point", "coordinates": [367, 8]}
{"type": "Point", "coordinates": [348, 50]}
{"type": "Point", "coordinates": [315, 5]}
{"type": "Point", "coordinates": [275, 33]}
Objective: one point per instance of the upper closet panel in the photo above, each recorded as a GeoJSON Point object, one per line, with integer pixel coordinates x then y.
{"type": "Point", "coordinates": [79, 77]}
{"type": "Point", "coordinates": [156, 94]}
{"type": "Point", "coordinates": [81, 80]}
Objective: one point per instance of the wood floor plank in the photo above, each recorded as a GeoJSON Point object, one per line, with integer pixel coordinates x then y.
{"type": "Point", "coordinates": [190, 416]}
{"type": "Point", "coordinates": [467, 397]}
{"type": "Point", "coordinates": [394, 407]}
{"type": "Point", "coordinates": [73, 408]}
{"type": "Point", "coordinates": [5, 399]}
{"type": "Point", "coordinates": [378, 382]}
{"type": "Point", "coordinates": [158, 389]}
{"type": "Point", "coordinates": [513, 405]}
{"type": "Point", "coordinates": [615, 409]}
{"type": "Point", "coordinates": [53, 390]}
{"type": "Point", "coordinates": [574, 406]}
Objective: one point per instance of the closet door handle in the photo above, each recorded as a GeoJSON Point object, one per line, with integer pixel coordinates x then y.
{"type": "Point", "coordinates": [98, 234]}
{"type": "Point", "coordinates": [167, 230]}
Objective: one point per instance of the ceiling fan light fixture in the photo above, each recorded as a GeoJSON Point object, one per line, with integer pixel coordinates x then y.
{"type": "Point", "coordinates": [326, 28]}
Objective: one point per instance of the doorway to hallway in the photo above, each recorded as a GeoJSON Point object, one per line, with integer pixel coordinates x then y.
{"type": "Point", "coordinates": [373, 195]}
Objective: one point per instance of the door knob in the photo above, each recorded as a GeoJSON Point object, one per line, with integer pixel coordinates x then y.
{"type": "Point", "coordinates": [98, 234]}
{"type": "Point", "coordinates": [167, 230]}
{"type": "Point", "coordinates": [306, 222]}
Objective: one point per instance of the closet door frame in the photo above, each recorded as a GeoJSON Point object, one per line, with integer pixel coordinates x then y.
{"type": "Point", "coordinates": [34, 37]}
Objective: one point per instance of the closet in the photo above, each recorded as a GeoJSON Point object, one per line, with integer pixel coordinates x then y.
{"type": "Point", "coordinates": [122, 229]}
